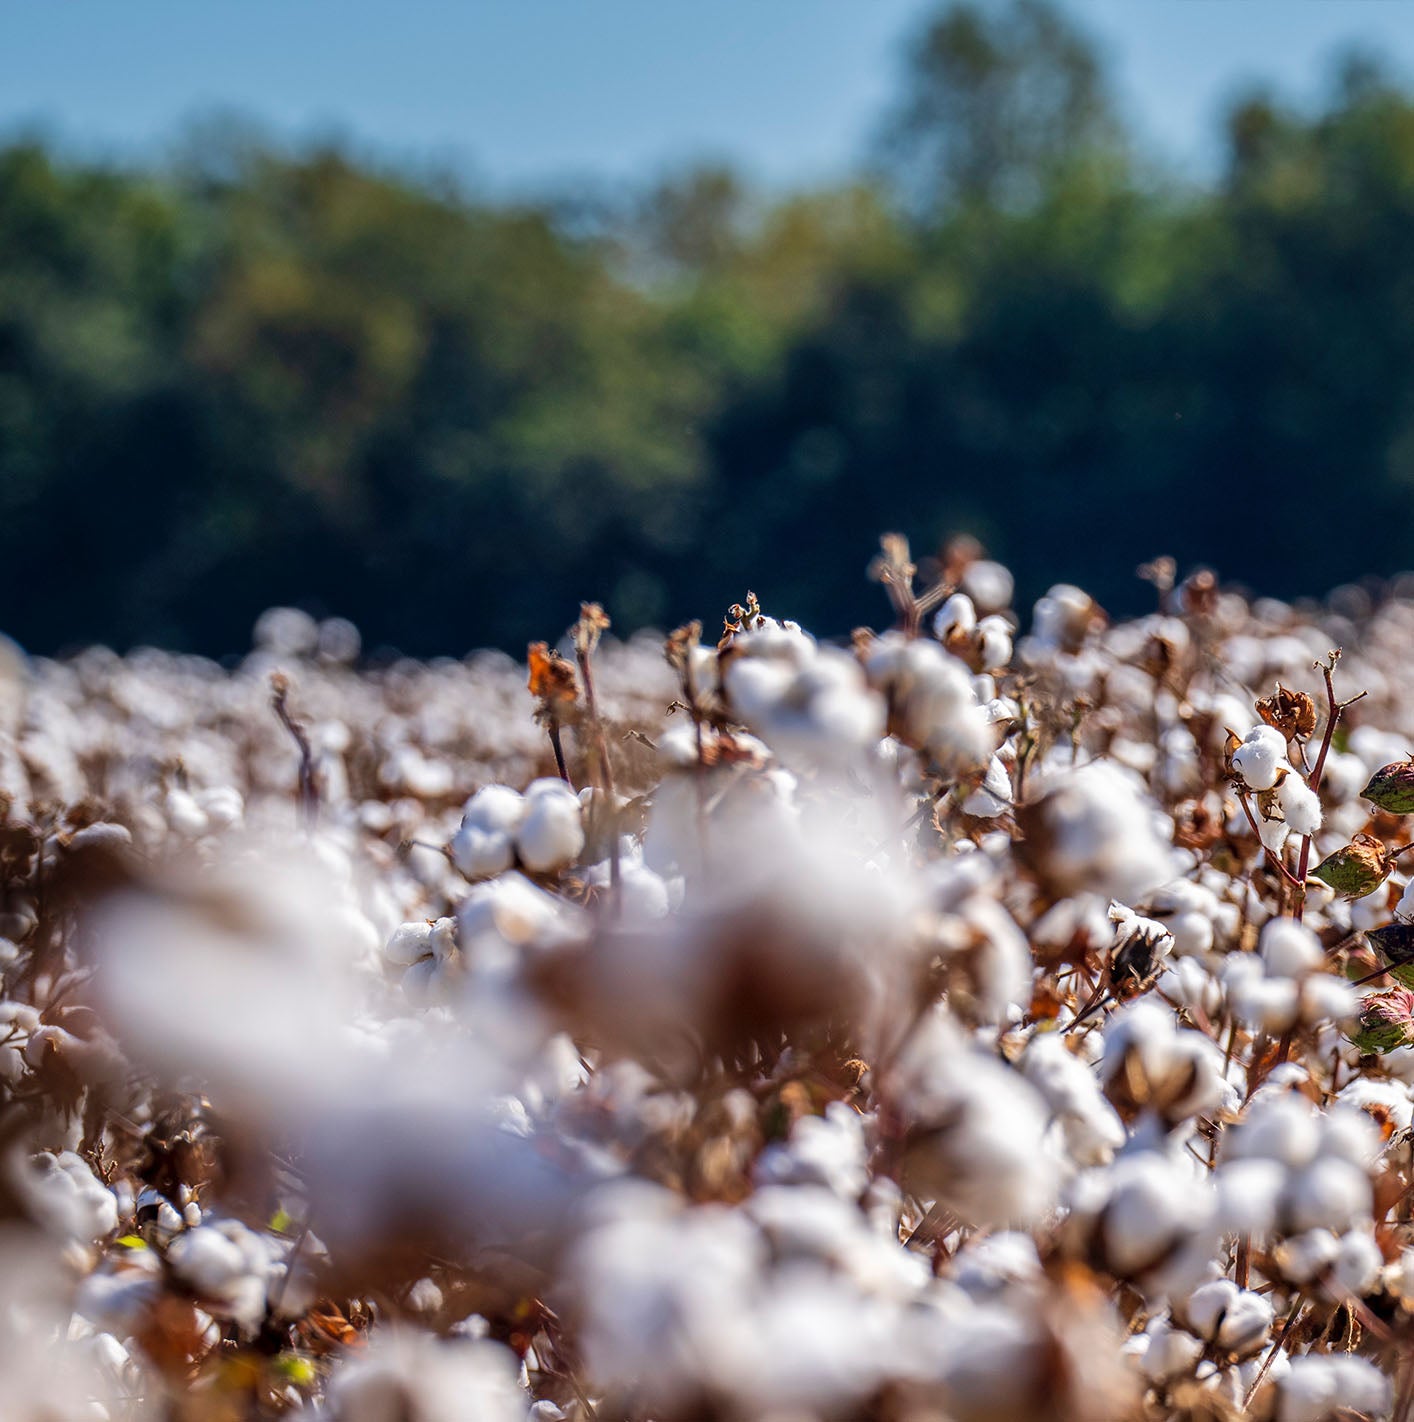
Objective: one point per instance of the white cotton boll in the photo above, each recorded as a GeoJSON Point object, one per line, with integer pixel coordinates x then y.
{"type": "Point", "coordinates": [1095, 831]}
{"type": "Point", "coordinates": [1300, 804]}
{"type": "Point", "coordinates": [184, 814]}
{"type": "Point", "coordinates": [1317, 1387]}
{"type": "Point", "coordinates": [1327, 998]}
{"type": "Point", "coordinates": [409, 944]}
{"type": "Point", "coordinates": [1151, 1209]}
{"type": "Point", "coordinates": [1249, 1194]}
{"type": "Point", "coordinates": [1093, 1130]}
{"type": "Point", "coordinates": [995, 1264]}
{"type": "Point", "coordinates": [223, 806]}
{"type": "Point", "coordinates": [494, 807]}
{"type": "Point", "coordinates": [405, 1373]}
{"type": "Point", "coordinates": [1305, 1257]}
{"type": "Point", "coordinates": [823, 1150]}
{"type": "Point", "coordinates": [551, 834]}
{"type": "Point", "coordinates": [1273, 834]}
{"type": "Point", "coordinates": [994, 796]}
{"type": "Point", "coordinates": [1234, 1319]}
{"type": "Point", "coordinates": [228, 1265]}
{"type": "Point", "coordinates": [68, 1198]}
{"type": "Point", "coordinates": [1282, 1127]}
{"type": "Point", "coordinates": [989, 584]}
{"type": "Point", "coordinates": [1330, 1193]}
{"type": "Point", "coordinates": [994, 647]}
{"type": "Point", "coordinates": [956, 615]}
{"type": "Point", "coordinates": [1261, 757]}
{"type": "Point", "coordinates": [1289, 949]}
{"type": "Point", "coordinates": [482, 855]}
{"type": "Point", "coordinates": [1351, 1134]}
{"type": "Point", "coordinates": [1163, 1352]}
{"type": "Point", "coordinates": [1357, 1264]}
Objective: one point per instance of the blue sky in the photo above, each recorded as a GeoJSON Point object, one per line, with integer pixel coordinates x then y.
{"type": "Point", "coordinates": [523, 94]}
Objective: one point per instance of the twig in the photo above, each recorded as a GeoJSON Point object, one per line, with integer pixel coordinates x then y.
{"type": "Point", "coordinates": [308, 792]}
{"type": "Point", "coordinates": [1334, 710]}
{"type": "Point", "coordinates": [1274, 1350]}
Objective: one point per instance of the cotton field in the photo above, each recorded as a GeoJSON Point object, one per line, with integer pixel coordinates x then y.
{"type": "Point", "coordinates": [1002, 1014]}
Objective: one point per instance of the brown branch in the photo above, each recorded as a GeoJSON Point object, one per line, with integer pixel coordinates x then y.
{"type": "Point", "coordinates": [308, 791]}
{"type": "Point", "coordinates": [1334, 710]}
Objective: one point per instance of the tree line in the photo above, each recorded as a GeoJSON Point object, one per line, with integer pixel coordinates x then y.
{"type": "Point", "coordinates": [252, 375]}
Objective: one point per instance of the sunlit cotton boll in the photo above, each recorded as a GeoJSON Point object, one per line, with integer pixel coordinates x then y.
{"type": "Point", "coordinates": [551, 834]}
{"type": "Point", "coordinates": [1261, 757]}
{"type": "Point", "coordinates": [484, 845]}
{"type": "Point", "coordinates": [814, 713]}
{"type": "Point", "coordinates": [973, 1127]}
{"type": "Point", "coordinates": [229, 1268]}
{"type": "Point", "coordinates": [1232, 1319]}
{"type": "Point", "coordinates": [405, 1373]}
{"type": "Point", "coordinates": [65, 1195]}
{"type": "Point", "coordinates": [1093, 830]}
{"type": "Point", "coordinates": [932, 704]}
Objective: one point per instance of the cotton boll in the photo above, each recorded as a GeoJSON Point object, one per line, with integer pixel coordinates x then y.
{"type": "Point", "coordinates": [1094, 831]}
{"type": "Point", "coordinates": [990, 585]}
{"type": "Point", "coordinates": [957, 615]}
{"type": "Point", "coordinates": [1330, 1193]}
{"type": "Point", "coordinates": [551, 833]}
{"type": "Point", "coordinates": [223, 806]}
{"type": "Point", "coordinates": [485, 844]}
{"type": "Point", "coordinates": [1093, 1130]}
{"type": "Point", "coordinates": [1163, 1352]}
{"type": "Point", "coordinates": [1317, 1387]}
{"type": "Point", "coordinates": [1304, 1258]}
{"type": "Point", "coordinates": [1289, 949]}
{"type": "Point", "coordinates": [184, 815]}
{"type": "Point", "coordinates": [993, 642]}
{"type": "Point", "coordinates": [1300, 804]}
{"type": "Point", "coordinates": [65, 1196]}
{"type": "Point", "coordinates": [405, 1373]}
{"type": "Point", "coordinates": [994, 796]}
{"type": "Point", "coordinates": [1261, 757]}
{"type": "Point", "coordinates": [228, 1265]}
{"type": "Point", "coordinates": [1231, 1318]}
{"type": "Point", "coordinates": [973, 1128]}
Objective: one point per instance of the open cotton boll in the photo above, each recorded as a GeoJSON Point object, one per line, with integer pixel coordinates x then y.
{"type": "Point", "coordinates": [65, 1196]}
{"type": "Point", "coordinates": [994, 796]}
{"type": "Point", "coordinates": [1233, 1319]}
{"type": "Point", "coordinates": [229, 1267]}
{"type": "Point", "coordinates": [1093, 830]}
{"type": "Point", "coordinates": [1261, 757]}
{"type": "Point", "coordinates": [973, 1125]}
{"type": "Point", "coordinates": [407, 1373]}
{"type": "Point", "coordinates": [485, 844]}
{"type": "Point", "coordinates": [994, 648]}
{"type": "Point", "coordinates": [1289, 949]}
{"type": "Point", "coordinates": [989, 584]}
{"type": "Point", "coordinates": [1319, 1386]}
{"type": "Point", "coordinates": [550, 836]}
{"type": "Point", "coordinates": [931, 702]}
{"type": "Point", "coordinates": [956, 615]}
{"type": "Point", "coordinates": [1093, 1130]}
{"type": "Point", "coordinates": [1300, 804]}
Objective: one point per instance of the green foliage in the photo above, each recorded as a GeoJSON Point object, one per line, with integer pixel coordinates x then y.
{"type": "Point", "coordinates": [256, 376]}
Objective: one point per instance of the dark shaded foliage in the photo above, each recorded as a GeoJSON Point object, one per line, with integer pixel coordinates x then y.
{"type": "Point", "coordinates": [259, 377]}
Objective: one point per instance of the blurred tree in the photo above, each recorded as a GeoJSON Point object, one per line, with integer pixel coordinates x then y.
{"type": "Point", "coordinates": [998, 100]}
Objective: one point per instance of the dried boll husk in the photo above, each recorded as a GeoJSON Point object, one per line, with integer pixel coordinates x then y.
{"type": "Point", "coordinates": [1357, 869]}
{"type": "Point", "coordinates": [1293, 713]}
{"type": "Point", "coordinates": [1391, 788]}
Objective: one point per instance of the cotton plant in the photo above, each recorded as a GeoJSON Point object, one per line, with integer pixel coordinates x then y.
{"type": "Point", "coordinates": [996, 1014]}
